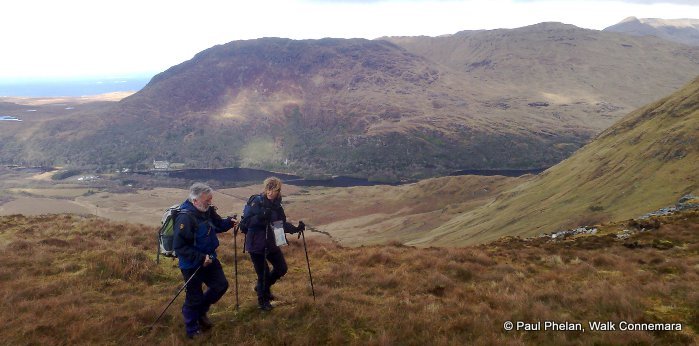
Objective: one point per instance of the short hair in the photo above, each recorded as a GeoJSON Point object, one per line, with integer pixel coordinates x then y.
{"type": "Point", "coordinates": [272, 183]}
{"type": "Point", "coordinates": [198, 189]}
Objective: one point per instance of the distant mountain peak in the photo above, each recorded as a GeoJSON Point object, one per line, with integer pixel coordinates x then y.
{"type": "Point", "coordinates": [682, 30]}
{"type": "Point", "coordinates": [675, 23]}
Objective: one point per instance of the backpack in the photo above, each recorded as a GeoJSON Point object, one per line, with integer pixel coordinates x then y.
{"type": "Point", "coordinates": [166, 234]}
{"type": "Point", "coordinates": [247, 210]}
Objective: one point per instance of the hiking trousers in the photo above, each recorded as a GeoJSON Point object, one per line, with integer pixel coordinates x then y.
{"type": "Point", "coordinates": [196, 301]}
{"type": "Point", "coordinates": [279, 269]}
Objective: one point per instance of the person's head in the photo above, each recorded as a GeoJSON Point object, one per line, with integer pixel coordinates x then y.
{"type": "Point", "coordinates": [273, 188]}
{"type": "Point", "coordinates": [201, 196]}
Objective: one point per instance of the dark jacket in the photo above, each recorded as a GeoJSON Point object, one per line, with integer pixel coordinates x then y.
{"type": "Point", "coordinates": [195, 234]}
{"type": "Point", "coordinates": [256, 225]}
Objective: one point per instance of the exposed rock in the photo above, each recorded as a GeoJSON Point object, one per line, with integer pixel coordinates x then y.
{"type": "Point", "coordinates": [687, 202]}
{"type": "Point", "coordinates": [625, 234]}
{"type": "Point", "coordinates": [572, 232]}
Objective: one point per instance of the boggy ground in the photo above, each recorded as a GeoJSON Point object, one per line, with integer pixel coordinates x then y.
{"type": "Point", "coordinates": [84, 280]}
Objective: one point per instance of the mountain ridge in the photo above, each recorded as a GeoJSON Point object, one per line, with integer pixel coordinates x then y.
{"type": "Point", "coordinates": [684, 30]}
{"type": "Point", "coordinates": [372, 108]}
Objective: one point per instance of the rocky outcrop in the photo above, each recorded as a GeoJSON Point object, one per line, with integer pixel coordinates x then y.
{"type": "Point", "coordinates": [685, 203]}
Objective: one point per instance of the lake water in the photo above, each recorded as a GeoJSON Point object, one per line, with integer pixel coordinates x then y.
{"type": "Point", "coordinates": [247, 175]}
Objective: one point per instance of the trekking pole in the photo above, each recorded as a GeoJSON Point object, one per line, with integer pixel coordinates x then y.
{"type": "Point", "coordinates": [173, 299]}
{"type": "Point", "coordinates": [265, 267]}
{"type": "Point", "coordinates": [308, 263]}
{"type": "Point", "coordinates": [235, 261]}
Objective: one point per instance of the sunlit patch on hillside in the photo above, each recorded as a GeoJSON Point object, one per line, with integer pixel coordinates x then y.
{"type": "Point", "coordinates": [257, 103]}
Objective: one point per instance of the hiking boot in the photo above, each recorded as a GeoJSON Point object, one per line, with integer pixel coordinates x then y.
{"type": "Point", "coordinates": [205, 323]}
{"type": "Point", "coordinates": [196, 335]}
{"type": "Point", "coordinates": [266, 306]}
{"type": "Point", "coordinates": [269, 295]}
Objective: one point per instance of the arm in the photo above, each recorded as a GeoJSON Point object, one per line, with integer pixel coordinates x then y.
{"type": "Point", "coordinates": [290, 228]}
{"type": "Point", "coordinates": [183, 242]}
{"type": "Point", "coordinates": [221, 224]}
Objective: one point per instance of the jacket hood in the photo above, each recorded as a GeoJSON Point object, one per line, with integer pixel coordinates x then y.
{"type": "Point", "coordinates": [187, 205]}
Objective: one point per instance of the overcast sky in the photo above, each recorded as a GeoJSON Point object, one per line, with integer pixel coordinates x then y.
{"type": "Point", "coordinates": [71, 38]}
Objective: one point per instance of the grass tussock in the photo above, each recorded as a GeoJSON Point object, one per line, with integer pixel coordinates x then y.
{"type": "Point", "coordinates": [76, 280]}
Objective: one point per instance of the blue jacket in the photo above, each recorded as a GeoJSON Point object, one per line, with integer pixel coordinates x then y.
{"type": "Point", "coordinates": [195, 234]}
{"type": "Point", "coordinates": [255, 236]}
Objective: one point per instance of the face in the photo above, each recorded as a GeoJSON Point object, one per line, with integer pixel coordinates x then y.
{"type": "Point", "coordinates": [203, 202]}
{"type": "Point", "coordinates": [272, 194]}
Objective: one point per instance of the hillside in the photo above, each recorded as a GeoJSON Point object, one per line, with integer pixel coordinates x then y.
{"type": "Point", "coordinates": [646, 161]}
{"type": "Point", "coordinates": [684, 31]}
{"type": "Point", "coordinates": [76, 280]}
{"type": "Point", "coordinates": [382, 214]}
{"type": "Point", "coordinates": [579, 72]}
{"type": "Point", "coordinates": [521, 98]}
{"type": "Point", "coordinates": [353, 107]}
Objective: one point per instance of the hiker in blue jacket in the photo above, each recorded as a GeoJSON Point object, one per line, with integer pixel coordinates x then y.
{"type": "Point", "coordinates": [261, 212]}
{"type": "Point", "coordinates": [195, 244]}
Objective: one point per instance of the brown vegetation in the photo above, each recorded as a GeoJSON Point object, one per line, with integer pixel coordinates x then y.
{"type": "Point", "coordinates": [77, 280]}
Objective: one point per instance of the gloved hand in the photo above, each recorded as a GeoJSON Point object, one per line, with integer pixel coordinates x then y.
{"type": "Point", "coordinates": [208, 260]}
{"type": "Point", "coordinates": [301, 227]}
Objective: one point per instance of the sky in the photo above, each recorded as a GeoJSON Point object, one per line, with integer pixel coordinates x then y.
{"type": "Point", "coordinates": [120, 38]}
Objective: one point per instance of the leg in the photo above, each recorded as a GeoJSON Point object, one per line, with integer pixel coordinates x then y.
{"type": "Point", "coordinates": [217, 285]}
{"type": "Point", "coordinates": [261, 268]}
{"type": "Point", "coordinates": [279, 268]}
{"type": "Point", "coordinates": [194, 298]}
{"type": "Point", "coordinates": [216, 282]}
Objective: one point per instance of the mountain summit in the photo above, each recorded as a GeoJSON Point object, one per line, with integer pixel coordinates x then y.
{"type": "Point", "coordinates": [684, 30]}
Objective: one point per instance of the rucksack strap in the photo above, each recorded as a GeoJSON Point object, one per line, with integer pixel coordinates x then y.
{"type": "Point", "coordinates": [193, 219]}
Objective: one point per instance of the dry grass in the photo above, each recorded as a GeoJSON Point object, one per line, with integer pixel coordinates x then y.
{"type": "Point", "coordinates": [76, 280]}
{"type": "Point", "coordinates": [379, 214]}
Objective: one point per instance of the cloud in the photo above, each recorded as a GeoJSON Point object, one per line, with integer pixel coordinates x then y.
{"type": "Point", "coordinates": [678, 2]}
{"type": "Point", "coordinates": [375, 1]}
{"type": "Point", "coordinates": [645, 2]}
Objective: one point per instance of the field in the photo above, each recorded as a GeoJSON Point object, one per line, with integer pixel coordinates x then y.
{"type": "Point", "coordinates": [352, 216]}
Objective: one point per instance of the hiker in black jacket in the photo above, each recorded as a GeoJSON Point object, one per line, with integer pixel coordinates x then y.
{"type": "Point", "coordinates": [195, 244]}
{"type": "Point", "coordinates": [261, 213]}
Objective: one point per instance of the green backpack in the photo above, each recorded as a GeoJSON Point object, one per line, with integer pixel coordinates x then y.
{"type": "Point", "coordinates": [166, 234]}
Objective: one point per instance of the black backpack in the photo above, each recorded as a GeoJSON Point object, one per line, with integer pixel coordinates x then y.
{"type": "Point", "coordinates": [247, 210]}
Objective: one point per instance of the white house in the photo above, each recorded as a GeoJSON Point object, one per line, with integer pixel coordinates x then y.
{"type": "Point", "coordinates": [161, 165]}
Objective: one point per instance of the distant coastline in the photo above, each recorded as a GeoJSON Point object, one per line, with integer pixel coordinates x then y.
{"type": "Point", "coordinates": [73, 87]}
